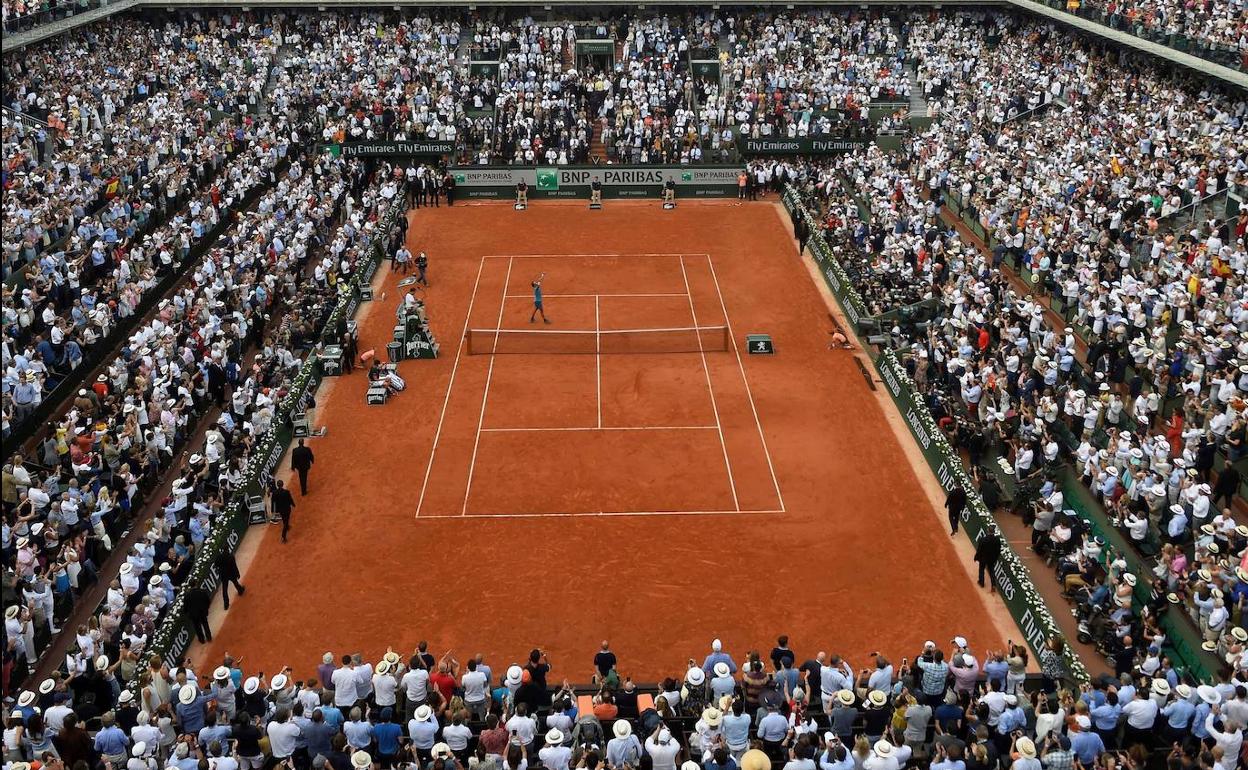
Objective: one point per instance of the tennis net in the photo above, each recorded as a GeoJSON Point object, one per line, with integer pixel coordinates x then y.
{"type": "Point", "coordinates": [690, 339]}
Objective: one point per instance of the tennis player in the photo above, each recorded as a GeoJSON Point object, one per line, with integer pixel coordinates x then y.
{"type": "Point", "coordinates": [522, 193]}
{"type": "Point", "coordinates": [537, 300]}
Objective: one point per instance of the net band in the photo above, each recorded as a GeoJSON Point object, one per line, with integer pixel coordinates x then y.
{"type": "Point", "coordinates": [690, 339]}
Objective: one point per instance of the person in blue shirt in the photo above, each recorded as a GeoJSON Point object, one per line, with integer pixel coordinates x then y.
{"type": "Point", "coordinates": [1086, 744]}
{"type": "Point", "coordinates": [537, 308]}
{"type": "Point", "coordinates": [1178, 714]}
{"type": "Point", "coordinates": [1105, 720]}
{"type": "Point", "coordinates": [111, 742]}
{"type": "Point", "coordinates": [386, 733]}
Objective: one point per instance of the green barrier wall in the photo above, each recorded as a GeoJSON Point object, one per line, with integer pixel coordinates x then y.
{"type": "Point", "coordinates": [1014, 583]}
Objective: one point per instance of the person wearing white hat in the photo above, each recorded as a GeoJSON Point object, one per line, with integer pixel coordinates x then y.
{"type": "Point", "coordinates": [624, 750]}
{"type": "Point", "coordinates": [663, 748]}
{"type": "Point", "coordinates": [423, 729]}
{"type": "Point", "coordinates": [718, 656]}
{"type": "Point", "coordinates": [884, 756]}
{"type": "Point", "coordinates": [555, 755]}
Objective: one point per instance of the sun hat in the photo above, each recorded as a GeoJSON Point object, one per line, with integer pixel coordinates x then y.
{"type": "Point", "coordinates": [441, 751]}
{"type": "Point", "coordinates": [721, 669]}
{"type": "Point", "coordinates": [101, 662]}
{"type": "Point", "coordinates": [187, 694]}
{"type": "Point", "coordinates": [1161, 686]}
{"type": "Point", "coordinates": [391, 657]}
{"type": "Point", "coordinates": [845, 697]}
{"type": "Point", "coordinates": [695, 676]}
{"type": "Point", "coordinates": [883, 749]}
{"type": "Point", "coordinates": [1183, 691]}
{"type": "Point", "coordinates": [251, 685]}
{"type": "Point", "coordinates": [665, 735]}
{"type": "Point", "coordinates": [11, 611]}
{"type": "Point", "coordinates": [755, 759]}
{"type": "Point", "coordinates": [1083, 721]}
{"type": "Point", "coordinates": [125, 697]}
{"type": "Point", "coordinates": [514, 675]}
{"type": "Point", "coordinates": [383, 667]}
{"type": "Point", "coordinates": [423, 713]}
{"type": "Point", "coordinates": [26, 698]}
{"type": "Point", "coordinates": [877, 698]}
{"type": "Point", "coordinates": [689, 764]}
{"type": "Point", "coordinates": [221, 672]}
{"type": "Point", "coordinates": [1239, 633]}
{"type": "Point", "coordinates": [1208, 646]}
{"type": "Point", "coordinates": [712, 716]}
{"type": "Point", "coordinates": [139, 749]}
{"type": "Point", "coordinates": [279, 682]}
{"type": "Point", "coordinates": [47, 686]}
{"type": "Point", "coordinates": [622, 728]}
{"type": "Point", "coordinates": [554, 737]}
{"type": "Point", "coordinates": [1209, 694]}
{"type": "Point", "coordinates": [1026, 747]}
{"type": "Point", "coordinates": [362, 760]}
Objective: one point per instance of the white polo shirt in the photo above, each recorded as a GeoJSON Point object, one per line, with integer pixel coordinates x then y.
{"type": "Point", "coordinates": [474, 686]}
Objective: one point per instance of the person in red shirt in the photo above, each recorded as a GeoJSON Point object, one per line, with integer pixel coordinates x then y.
{"type": "Point", "coordinates": [445, 677]}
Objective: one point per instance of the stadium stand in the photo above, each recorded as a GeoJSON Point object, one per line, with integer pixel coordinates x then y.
{"type": "Point", "coordinates": [1056, 256]}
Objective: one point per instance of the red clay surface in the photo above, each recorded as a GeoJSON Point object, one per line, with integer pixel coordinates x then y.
{"type": "Point", "coordinates": [511, 549]}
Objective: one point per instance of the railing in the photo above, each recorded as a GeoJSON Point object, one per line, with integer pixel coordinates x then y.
{"type": "Point", "coordinates": [49, 12]}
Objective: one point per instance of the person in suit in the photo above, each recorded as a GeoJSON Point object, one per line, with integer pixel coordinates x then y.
{"type": "Point", "coordinates": [196, 601]}
{"type": "Point", "coordinates": [955, 503]}
{"type": "Point", "coordinates": [227, 572]}
{"type": "Point", "coordinates": [301, 460]}
{"type": "Point", "coordinates": [987, 551]}
{"type": "Point", "coordinates": [283, 503]}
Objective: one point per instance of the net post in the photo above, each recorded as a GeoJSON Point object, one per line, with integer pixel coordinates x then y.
{"type": "Point", "coordinates": [468, 340]}
{"type": "Point", "coordinates": [727, 338]}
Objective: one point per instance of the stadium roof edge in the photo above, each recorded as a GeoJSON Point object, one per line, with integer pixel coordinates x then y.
{"type": "Point", "coordinates": [20, 40]}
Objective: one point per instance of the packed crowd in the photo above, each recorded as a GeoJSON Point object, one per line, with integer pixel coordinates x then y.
{"type": "Point", "coordinates": [814, 73]}
{"type": "Point", "coordinates": [1150, 412]}
{"type": "Point", "coordinates": [953, 708]}
{"type": "Point", "coordinates": [22, 15]}
{"type": "Point", "coordinates": [1208, 24]}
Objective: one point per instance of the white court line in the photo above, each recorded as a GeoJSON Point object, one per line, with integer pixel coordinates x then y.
{"type": "Point", "coordinates": [601, 427]}
{"type": "Point", "coordinates": [598, 357]}
{"type": "Point", "coordinates": [597, 514]}
{"type": "Point", "coordinates": [489, 374]}
{"type": "Point", "coordinates": [454, 368]}
{"type": "Point", "coordinates": [749, 392]}
{"type": "Point", "coordinates": [557, 256]}
{"type": "Point", "coordinates": [707, 371]}
{"type": "Point", "coordinates": [526, 296]}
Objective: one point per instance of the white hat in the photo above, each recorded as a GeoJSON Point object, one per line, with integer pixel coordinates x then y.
{"type": "Point", "coordinates": [959, 641]}
{"type": "Point", "coordinates": [11, 611]}
{"type": "Point", "coordinates": [279, 682]}
{"type": "Point", "coordinates": [139, 749]}
{"type": "Point", "coordinates": [383, 667]}
{"type": "Point", "coordinates": [361, 760]}
{"type": "Point", "coordinates": [665, 735]}
{"type": "Point", "coordinates": [1183, 691]}
{"type": "Point", "coordinates": [125, 697]}
{"type": "Point", "coordinates": [721, 669]}
{"type": "Point", "coordinates": [26, 698]}
{"type": "Point", "coordinates": [554, 737]}
{"type": "Point", "coordinates": [877, 698]}
{"type": "Point", "coordinates": [695, 676]}
{"type": "Point", "coordinates": [845, 696]}
{"type": "Point", "coordinates": [187, 694]}
{"type": "Point", "coordinates": [622, 728]}
{"type": "Point", "coordinates": [514, 676]}
{"type": "Point", "coordinates": [689, 764]}
{"type": "Point", "coordinates": [1026, 747]}
{"type": "Point", "coordinates": [101, 662]}
{"type": "Point", "coordinates": [1083, 721]}
{"type": "Point", "coordinates": [1129, 579]}
{"type": "Point", "coordinates": [717, 645]}
{"type": "Point", "coordinates": [441, 751]}
{"type": "Point", "coordinates": [47, 686]}
{"type": "Point", "coordinates": [1209, 694]}
{"type": "Point", "coordinates": [883, 749]}
{"type": "Point", "coordinates": [1161, 687]}
{"type": "Point", "coordinates": [251, 684]}
{"type": "Point", "coordinates": [712, 716]}
{"type": "Point", "coordinates": [423, 713]}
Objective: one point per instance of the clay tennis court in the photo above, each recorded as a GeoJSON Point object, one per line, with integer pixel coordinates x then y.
{"type": "Point", "coordinates": [626, 472]}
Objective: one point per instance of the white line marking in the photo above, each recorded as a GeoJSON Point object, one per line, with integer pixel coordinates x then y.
{"type": "Point", "coordinates": [597, 514]}
{"type": "Point", "coordinates": [601, 427]}
{"type": "Point", "coordinates": [489, 374]}
{"type": "Point", "coordinates": [707, 371]}
{"type": "Point", "coordinates": [559, 256]}
{"type": "Point", "coordinates": [598, 360]}
{"type": "Point", "coordinates": [526, 296]}
{"type": "Point", "coordinates": [596, 332]}
{"type": "Point", "coordinates": [749, 392]}
{"type": "Point", "coordinates": [447, 399]}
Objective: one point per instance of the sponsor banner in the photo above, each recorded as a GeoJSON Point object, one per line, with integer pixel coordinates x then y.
{"type": "Point", "coordinates": [393, 149]}
{"type": "Point", "coordinates": [575, 181]}
{"type": "Point", "coordinates": [801, 145]}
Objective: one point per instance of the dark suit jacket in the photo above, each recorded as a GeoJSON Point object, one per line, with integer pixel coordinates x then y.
{"type": "Point", "coordinates": [283, 502]}
{"type": "Point", "coordinates": [301, 458]}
